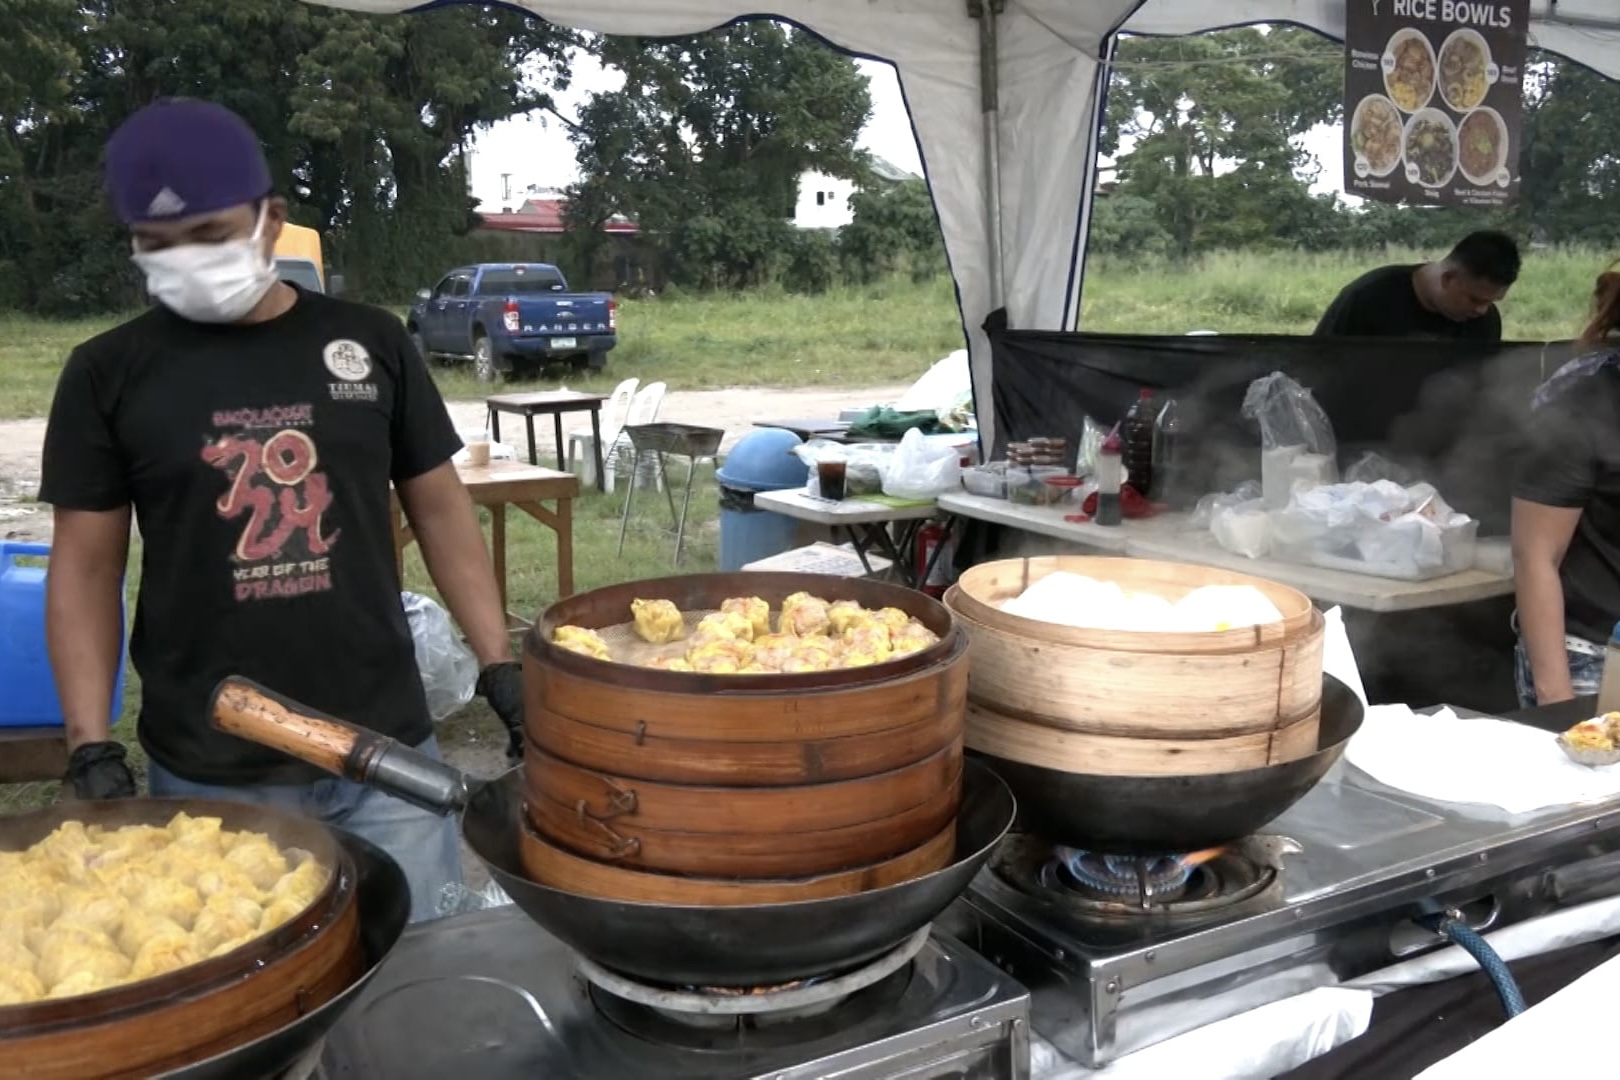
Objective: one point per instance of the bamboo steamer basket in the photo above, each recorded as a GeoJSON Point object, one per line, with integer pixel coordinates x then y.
{"type": "Point", "coordinates": [1138, 703]}
{"type": "Point", "coordinates": [746, 737]}
{"type": "Point", "coordinates": [1006, 737]}
{"type": "Point", "coordinates": [741, 832]}
{"type": "Point", "coordinates": [165, 1023]}
{"type": "Point", "coordinates": [748, 778]}
{"type": "Point", "coordinates": [553, 866]}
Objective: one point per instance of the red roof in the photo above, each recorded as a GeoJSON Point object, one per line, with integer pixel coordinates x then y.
{"type": "Point", "coordinates": [546, 216]}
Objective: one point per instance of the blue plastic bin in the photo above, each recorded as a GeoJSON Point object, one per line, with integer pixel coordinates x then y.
{"type": "Point", "coordinates": [27, 690]}
{"type": "Point", "coordinates": [762, 460]}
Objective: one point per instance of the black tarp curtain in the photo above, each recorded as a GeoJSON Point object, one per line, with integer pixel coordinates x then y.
{"type": "Point", "coordinates": [1453, 413]}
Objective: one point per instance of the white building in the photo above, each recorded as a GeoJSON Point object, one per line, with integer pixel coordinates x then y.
{"type": "Point", "coordinates": [824, 200]}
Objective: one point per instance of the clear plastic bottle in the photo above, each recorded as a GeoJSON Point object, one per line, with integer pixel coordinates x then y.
{"type": "Point", "coordinates": [1609, 689]}
{"type": "Point", "coordinates": [1169, 483]}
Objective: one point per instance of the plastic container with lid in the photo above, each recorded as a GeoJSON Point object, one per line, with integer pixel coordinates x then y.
{"type": "Point", "coordinates": [27, 689]}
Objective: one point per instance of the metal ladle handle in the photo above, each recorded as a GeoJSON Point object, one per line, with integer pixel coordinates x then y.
{"type": "Point", "coordinates": [249, 711]}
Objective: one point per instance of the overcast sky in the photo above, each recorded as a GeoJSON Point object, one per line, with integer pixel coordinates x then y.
{"type": "Point", "coordinates": [536, 150]}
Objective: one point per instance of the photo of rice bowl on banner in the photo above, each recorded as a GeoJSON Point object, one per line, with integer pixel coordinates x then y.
{"type": "Point", "coordinates": [1433, 100]}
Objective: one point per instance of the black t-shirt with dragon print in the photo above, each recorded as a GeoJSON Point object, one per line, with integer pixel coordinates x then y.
{"type": "Point", "coordinates": [257, 460]}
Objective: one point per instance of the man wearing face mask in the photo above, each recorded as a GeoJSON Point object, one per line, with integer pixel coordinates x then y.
{"type": "Point", "coordinates": [252, 430]}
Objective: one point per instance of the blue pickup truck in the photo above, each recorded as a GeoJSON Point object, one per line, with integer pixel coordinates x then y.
{"type": "Point", "coordinates": [514, 318]}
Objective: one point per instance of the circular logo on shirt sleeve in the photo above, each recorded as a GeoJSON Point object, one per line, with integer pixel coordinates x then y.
{"type": "Point", "coordinates": [348, 360]}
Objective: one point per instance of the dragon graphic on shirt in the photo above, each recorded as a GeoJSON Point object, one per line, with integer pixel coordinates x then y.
{"type": "Point", "coordinates": [277, 488]}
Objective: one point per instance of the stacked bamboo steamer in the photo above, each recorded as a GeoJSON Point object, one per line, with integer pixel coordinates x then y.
{"type": "Point", "coordinates": [668, 787]}
{"type": "Point", "coordinates": [1133, 703]}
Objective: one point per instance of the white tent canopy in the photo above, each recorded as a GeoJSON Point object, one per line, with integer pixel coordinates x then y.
{"type": "Point", "coordinates": [1006, 110]}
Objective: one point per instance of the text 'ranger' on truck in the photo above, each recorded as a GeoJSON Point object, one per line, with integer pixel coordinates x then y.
{"type": "Point", "coordinates": [514, 318]}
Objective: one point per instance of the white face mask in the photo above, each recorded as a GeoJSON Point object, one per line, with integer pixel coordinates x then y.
{"type": "Point", "coordinates": [210, 283]}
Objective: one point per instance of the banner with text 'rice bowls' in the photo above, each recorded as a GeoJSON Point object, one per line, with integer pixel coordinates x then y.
{"type": "Point", "coordinates": [1433, 93]}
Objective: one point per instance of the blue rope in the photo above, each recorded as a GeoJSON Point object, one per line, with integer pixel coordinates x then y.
{"type": "Point", "coordinates": [1463, 936]}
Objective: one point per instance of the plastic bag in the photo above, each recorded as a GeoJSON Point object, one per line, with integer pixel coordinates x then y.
{"type": "Point", "coordinates": [1288, 415]}
{"type": "Point", "coordinates": [456, 899]}
{"type": "Point", "coordinates": [449, 669]}
{"type": "Point", "coordinates": [921, 469]}
{"type": "Point", "coordinates": [1204, 512]}
{"type": "Point", "coordinates": [1373, 466]}
{"type": "Point", "coordinates": [1243, 528]}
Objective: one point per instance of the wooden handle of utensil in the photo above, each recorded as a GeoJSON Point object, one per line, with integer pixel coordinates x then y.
{"type": "Point", "coordinates": [247, 710]}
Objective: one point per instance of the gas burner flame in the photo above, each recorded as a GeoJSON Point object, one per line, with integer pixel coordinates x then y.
{"type": "Point", "coordinates": [1131, 876]}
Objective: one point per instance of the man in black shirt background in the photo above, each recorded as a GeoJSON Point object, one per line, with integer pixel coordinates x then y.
{"type": "Point", "coordinates": [253, 431]}
{"type": "Point", "coordinates": [1453, 298]}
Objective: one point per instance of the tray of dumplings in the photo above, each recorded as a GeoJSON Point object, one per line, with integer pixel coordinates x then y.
{"type": "Point", "coordinates": [746, 635]}
{"type": "Point", "coordinates": [89, 908]}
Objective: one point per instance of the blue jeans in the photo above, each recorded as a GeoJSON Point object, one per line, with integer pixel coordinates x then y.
{"type": "Point", "coordinates": [424, 845]}
{"type": "Point", "coordinates": [1585, 672]}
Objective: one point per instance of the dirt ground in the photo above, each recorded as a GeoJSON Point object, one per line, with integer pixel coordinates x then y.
{"type": "Point", "coordinates": [735, 410]}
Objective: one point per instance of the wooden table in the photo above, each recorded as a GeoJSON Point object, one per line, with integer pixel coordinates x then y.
{"type": "Point", "coordinates": [28, 754]}
{"type": "Point", "coordinates": [866, 524]}
{"type": "Point", "coordinates": [807, 429]}
{"type": "Point", "coordinates": [1169, 537]}
{"type": "Point", "coordinates": [552, 403]}
{"type": "Point", "coordinates": [526, 487]}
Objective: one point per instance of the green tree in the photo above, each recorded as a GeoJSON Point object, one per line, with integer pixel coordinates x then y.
{"type": "Point", "coordinates": [705, 143]}
{"type": "Point", "coordinates": [894, 228]}
{"type": "Point", "coordinates": [1570, 162]}
{"type": "Point", "coordinates": [363, 119]}
{"type": "Point", "coordinates": [1205, 127]}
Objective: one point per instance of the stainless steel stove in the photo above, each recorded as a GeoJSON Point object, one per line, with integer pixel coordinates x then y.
{"type": "Point", "coordinates": [1122, 954]}
{"type": "Point", "coordinates": [488, 996]}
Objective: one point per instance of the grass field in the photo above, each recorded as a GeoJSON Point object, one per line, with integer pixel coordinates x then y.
{"type": "Point", "coordinates": [889, 332]}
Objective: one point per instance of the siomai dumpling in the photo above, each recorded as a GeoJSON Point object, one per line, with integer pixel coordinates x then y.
{"type": "Point", "coordinates": [732, 623]}
{"type": "Point", "coordinates": [96, 908]}
{"type": "Point", "coordinates": [259, 859]}
{"type": "Point", "coordinates": [65, 949]}
{"type": "Point", "coordinates": [162, 953]}
{"type": "Point", "coordinates": [18, 987]}
{"type": "Point", "coordinates": [580, 640]}
{"type": "Point", "coordinates": [198, 834]}
{"type": "Point", "coordinates": [670, 663]}
{"type": "Point", "coordinates": [142, 926]}
{"type": "Point", "coordinates": [721, 657]}
{"type": "Point", "coordinates": [913, 637]}
{"type": "Point", "coordinates": [841, 614]}
{"type": "Point", "coordinates": [279, 911]}
{"type": "Point", "coordinates": [225, 919]}
{"type": "Point", "coordinates": [658, 621]}
{"type": "Point", "coordinates": [171, 899]}
{"type": "Point", "coordinates": [804, 615]}
{"type": "Point", "coordinates": [97, 972]}
{"type": "Point", "coordinates": [771, 651]}
{"type": "Point", "coordinates": [304, 884]}
{"type": "Point", "coordinates": [752, 608]}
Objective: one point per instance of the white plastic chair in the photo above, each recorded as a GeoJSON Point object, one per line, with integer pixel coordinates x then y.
{"type": "Point", "coordinates": [613, 418]}
{"type": "Point", "coordinates": [643, 409]}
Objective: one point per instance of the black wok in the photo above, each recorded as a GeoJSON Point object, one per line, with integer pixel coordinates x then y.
{"type": "Point", "coordinates": [1153, 815]}
{"type": "Point", "coordinates": [758, 945]}
{"type": "Point", "coordinates": [381, 894]}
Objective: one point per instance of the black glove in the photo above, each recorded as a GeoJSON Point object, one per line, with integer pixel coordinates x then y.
{"type": "Point", "coordinates": [97, 771]}
{"type": "Point", "coordinates": [502, 686]}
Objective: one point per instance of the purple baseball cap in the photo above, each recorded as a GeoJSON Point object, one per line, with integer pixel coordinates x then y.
{"type": "Point", "coordinates": [180, 157]}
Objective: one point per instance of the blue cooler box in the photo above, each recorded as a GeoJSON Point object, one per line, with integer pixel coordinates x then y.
{"type": "Point", "coordinates": [762, 460]}
{"type": "Point", "coordinates": [27, 690]}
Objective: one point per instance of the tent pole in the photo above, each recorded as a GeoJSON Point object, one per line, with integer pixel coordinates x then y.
{"type": "Point", "coordinates": [986, 11]}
